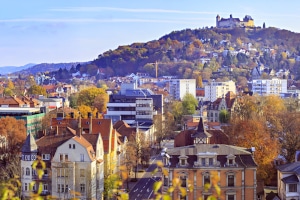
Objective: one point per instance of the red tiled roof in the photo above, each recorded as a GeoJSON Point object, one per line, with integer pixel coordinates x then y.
{"type": "Point", "coordinates": [49, 87]}
{"type": "Point", "coordinates": [11, 101]}
{"type": "Point", "coordinates": [57, 136]}
{"type": "Point", "coordinates": [99, 126]}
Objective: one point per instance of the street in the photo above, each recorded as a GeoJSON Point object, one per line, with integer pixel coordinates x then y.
{"type": "Point", "coordinates": [144, 187]}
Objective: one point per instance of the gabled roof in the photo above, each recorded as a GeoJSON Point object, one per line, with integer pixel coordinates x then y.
{"type": "Point", "coordinates": [92, 138]}
{"type": "Point", "coordinates": [290, 179]}
{"type": "Point", "coordinates": [56, 137]}
{"type": "Point", "coordinates": [30, 145]}
{"type": "Point", "coordinates": [290, 167]}
{"type": "Point", "coordinates": [11, 100]}
{"type": "Point", "coordinates": [81, 140]}
{"type": "Point", "coordinates": [124, 129]}
{"type": "Point", "coordinates": [99, 126]}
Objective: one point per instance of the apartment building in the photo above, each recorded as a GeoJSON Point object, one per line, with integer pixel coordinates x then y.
{"type": "Point", "coordinates": [194, 165]}
{"type": "Point", "coordinates": [226, 103]}
{"type": "Point", "coordinates": [73, 166]}
{"type": "Point", "coordinates": [178, 88]}
{"type": "Point", "coordinates": [273, 86]}
{"type": "Point", "coordinates": [216, 90]}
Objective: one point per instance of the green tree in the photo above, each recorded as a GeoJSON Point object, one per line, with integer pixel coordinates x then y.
{"type": "Point", "coordinates": [189, 104]}
{"type": "Point", "coordinates": [224, 116]}
{"type": "Point", "coordinates": [73, 98]}
{"type": "Point", "coordinates": [176, 109]}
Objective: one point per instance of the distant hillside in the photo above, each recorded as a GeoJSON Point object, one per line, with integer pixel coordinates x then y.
{"type": "Point", "coordinates": [182, 52]}
{"type": "Point", "coordinates": [46, 67]}
{"type": "Point", "coordinates": [11, 69]}
{"type": "Point", "coordinates": [212, 53]}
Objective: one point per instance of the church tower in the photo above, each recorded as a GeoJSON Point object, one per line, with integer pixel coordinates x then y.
{"type": "Point", "coordinates": [29, 155]}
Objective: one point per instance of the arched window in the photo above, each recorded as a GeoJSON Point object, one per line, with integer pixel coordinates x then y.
{"type": "Point", "coordinates": [27, 171]}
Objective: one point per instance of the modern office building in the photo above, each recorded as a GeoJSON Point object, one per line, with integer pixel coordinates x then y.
{"type": "Point", "coordinates": [134, 105]}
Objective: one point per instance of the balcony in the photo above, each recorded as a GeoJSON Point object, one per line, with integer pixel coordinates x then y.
{"type": "Point", "coordinates": [45, 177]}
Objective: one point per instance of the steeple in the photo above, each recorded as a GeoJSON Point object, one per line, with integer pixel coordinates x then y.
{"type": "Point", "coordinates": [201, 135]}
{"type": "Point", "coordinates": [30, 145]}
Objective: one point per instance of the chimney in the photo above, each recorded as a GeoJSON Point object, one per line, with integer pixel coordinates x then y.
{"type": "Point", "coordinates": [97, 115]}
{"type": "Point", "coordinates": [79, 120]}
{"type": "Point", "coordinates": [90, 124]}
{"type": "Point", "coordinates": [79, 131]}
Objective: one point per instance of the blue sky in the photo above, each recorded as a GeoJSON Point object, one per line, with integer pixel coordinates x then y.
{"type": "Point", "coordinates": [36, 31]}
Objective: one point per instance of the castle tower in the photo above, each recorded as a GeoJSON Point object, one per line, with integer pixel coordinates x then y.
{"type": "Point", "coordinates": [217, 21]}
{"type": "Point", "coordinates": [29, 154]}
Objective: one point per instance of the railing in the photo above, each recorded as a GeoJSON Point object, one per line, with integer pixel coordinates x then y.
{"type": "Point", "coordinates": [44, 177]}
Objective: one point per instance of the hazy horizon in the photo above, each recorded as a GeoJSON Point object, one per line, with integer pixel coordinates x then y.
{"type": "Point", "coordinates": [75, 31]}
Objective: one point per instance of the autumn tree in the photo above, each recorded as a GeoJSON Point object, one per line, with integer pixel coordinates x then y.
{"type": "Point", "coordinates": [255, 133]}
{"type": "Point", "coordinates": [12, 137]}
{"type": "Point", "coordinates": [84, 110]}
{"type": "Point", "coordinates": [289, 134]}
{"type": "Point", "coordinates": [100, 102]}
{"type": "Point", "coordinates": [138, 145]}
{"type": "Point", "coordinates": [87, 97]}
{"type": "Point", "coordinates": [37, 90]}
{"type": "Point", "coordinates": [14, 130]}
{"type": "Point", "coordinates": [164, 126]}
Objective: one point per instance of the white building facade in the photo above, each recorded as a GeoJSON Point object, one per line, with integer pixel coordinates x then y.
{"type": "Point", "coordinates": [273, 86]}
{"type": "Point", "coordinates": [73, 168]}
{"type": "Point", "coordinates": [180, 87]}
{"type": "Point", "coordinates": [216, 90]}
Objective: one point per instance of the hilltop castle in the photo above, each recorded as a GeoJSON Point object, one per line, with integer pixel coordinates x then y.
{"type": "Point", "coordinates": [231, 22]}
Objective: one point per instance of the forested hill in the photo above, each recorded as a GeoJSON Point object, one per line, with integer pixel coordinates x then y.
{"type": "Point", "coordinates": [182, 50]}
{"type": "Point", "coordinates": [203, 51]}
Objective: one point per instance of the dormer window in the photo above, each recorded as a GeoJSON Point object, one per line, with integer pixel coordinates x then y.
{"type": "Point", "coordinates": [203, 161]}
{"type": "Point", "coordinates": [183, 161]}
{"type": "Point", "coordinates": [230, 160]}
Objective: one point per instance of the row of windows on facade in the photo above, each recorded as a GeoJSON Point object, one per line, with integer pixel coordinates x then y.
{"type": "Point", "coordinates": [62, 188]}
{"type": "Point", "coordinates": [207, 161]}
{"type": "Point", "coordinates": [206, 196]}
{"type": "Point", "coordinates": [26, 172]}
{"type": "Point", "coordinates": [144, 105]}
{"type": "Point", "coordinates": [206, 181]}
{"type": "Point", "coordinates": [143, 112]}
{"type": "Point", "coordinates": [60, 172]}
{"type": "Point", "coordinates": [27, 187]}
{"type": "Point", "coordinates": [65, 157]}
{"type": "Point", "coordinates": [85, 122]}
